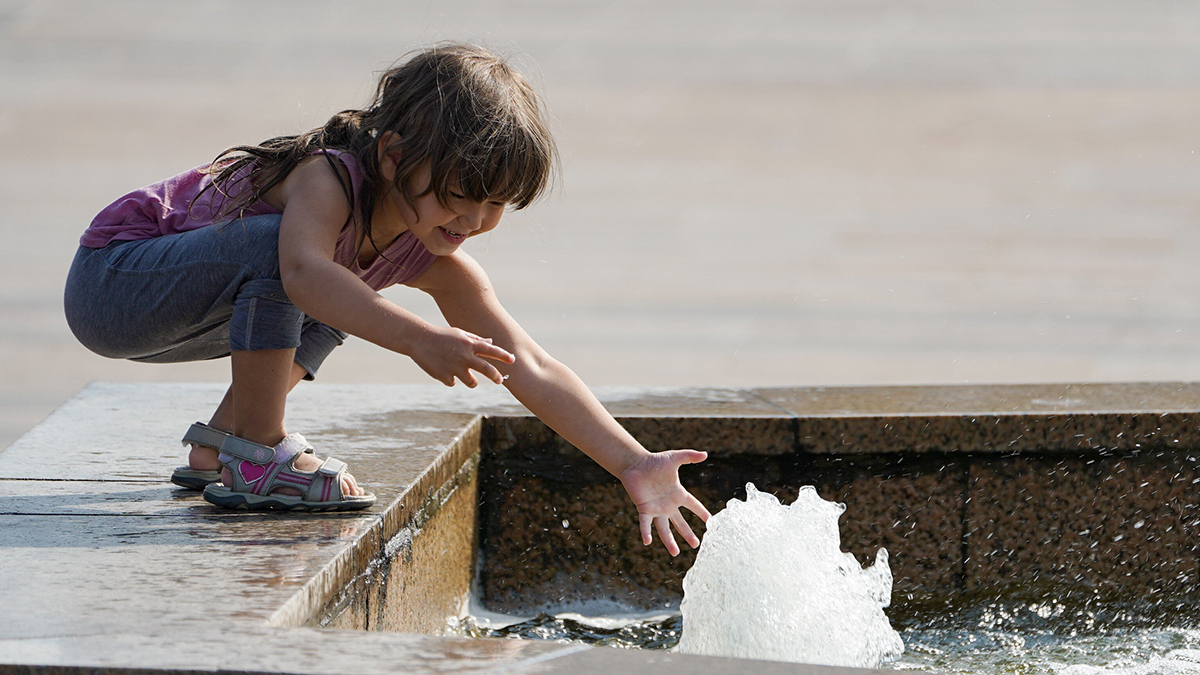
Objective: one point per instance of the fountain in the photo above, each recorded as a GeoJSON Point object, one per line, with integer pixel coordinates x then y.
{"type": "Point", "coordinates": [771, 582]}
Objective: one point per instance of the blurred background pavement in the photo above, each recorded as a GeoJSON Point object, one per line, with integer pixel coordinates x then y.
{"type": "Point", "coordinates": [753, 193]}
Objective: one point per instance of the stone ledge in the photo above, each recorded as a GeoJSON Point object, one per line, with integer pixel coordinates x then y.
{"type": "Point", "coordinates": [107, 568]}
{"type": "Point", "coordinates": [111, 570]}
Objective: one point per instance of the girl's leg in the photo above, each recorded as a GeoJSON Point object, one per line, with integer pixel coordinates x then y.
{"type": "Point", "coordinates": [260, 388]}
{"type": "Point", "coordinates": [205, 458]}
{"type": "Point", "coordinates": [316, 342]}
{"type": "Point", "coordinates": [180, 297]}
{"type": "Point", "coordinates": [261, 382]}
{"type": "Point", "coordinates": [201, 295]}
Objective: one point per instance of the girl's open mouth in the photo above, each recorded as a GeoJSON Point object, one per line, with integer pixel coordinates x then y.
{"type": "Point", "coordinates": [453, 236]}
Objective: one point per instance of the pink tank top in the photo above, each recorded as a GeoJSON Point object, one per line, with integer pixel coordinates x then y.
{"type": "Point", "coordinates": [163, 208]}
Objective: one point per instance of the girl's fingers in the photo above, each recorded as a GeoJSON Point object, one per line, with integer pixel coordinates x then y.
{"type": "Point", "coordinates": [476, 337]}
{"type": "Point", "coordinates": [644, 521]}
{"type": "Point", "coordinates": [684, 530]}
{"type": "Point", "coordinates": [489, 371]}
{"type": "Point", "coordinates": [468, 378]}
{"type": "Point", "coordinates": [664, 532]}
{"type": "Point", "coordinates": [690, 456]}
{"type": "Point", "coordinates": [692, 504]}
{"type": "Point", "coordinates": [491, 351]}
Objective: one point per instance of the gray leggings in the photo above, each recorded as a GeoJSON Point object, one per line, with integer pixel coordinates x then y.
{"type": "Point", "coordinates": [192, 296]}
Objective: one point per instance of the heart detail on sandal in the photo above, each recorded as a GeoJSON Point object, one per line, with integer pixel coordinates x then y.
{"type": "Point", "coordinates": [251, 472]}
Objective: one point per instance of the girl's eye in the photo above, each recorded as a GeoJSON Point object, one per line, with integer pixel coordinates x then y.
{"type": "Point", "coordinates": [457, 196]}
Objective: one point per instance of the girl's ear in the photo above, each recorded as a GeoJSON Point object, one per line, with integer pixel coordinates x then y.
{"type": "Point", "coordinates": [388, 147]}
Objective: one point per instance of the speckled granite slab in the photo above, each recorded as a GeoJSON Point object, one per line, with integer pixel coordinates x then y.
{"type": "Point", "coordinates": [993, 418]}
{"type": "Point", "coordinates": [970, 488]}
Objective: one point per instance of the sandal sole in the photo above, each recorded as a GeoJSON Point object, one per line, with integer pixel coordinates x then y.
{"type": "Point", "coordinates": [222, 496]}
{"type": "Point", "coordinates": [194, 479]}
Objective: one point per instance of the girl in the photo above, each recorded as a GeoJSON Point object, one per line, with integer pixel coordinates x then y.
{"type": "Point", "coordinates": [269, 253]}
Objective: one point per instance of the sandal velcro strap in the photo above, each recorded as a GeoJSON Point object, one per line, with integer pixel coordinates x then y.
{"type": "Point", "coordinates": [332, 467]}
{"type": "Point", "coordinates": [327, 483]}
{"type": "Point", "coordinates": [289, 447]}
{"type": "Point", "coordinates": [202, 434]}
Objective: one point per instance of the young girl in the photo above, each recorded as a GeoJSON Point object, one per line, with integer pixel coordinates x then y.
{"type": "Point", "coordinates": [269, 253]}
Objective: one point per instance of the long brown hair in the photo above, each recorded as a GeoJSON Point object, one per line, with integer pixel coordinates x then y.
{"type": "Point", "coordinates": [458, 107]}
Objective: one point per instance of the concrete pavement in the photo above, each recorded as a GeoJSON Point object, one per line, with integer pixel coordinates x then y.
{"type": "Point", "coordinates": [753, 194]}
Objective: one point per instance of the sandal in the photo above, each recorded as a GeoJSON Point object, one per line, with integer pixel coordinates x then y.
{"type": "Point", "coordinates": [206, 436]}
{"type": "Point", "coordinates": [197, 479]}
{"type": "Point", "coordinates": [259, 470]}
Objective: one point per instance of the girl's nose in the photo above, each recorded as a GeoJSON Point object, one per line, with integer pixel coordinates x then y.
{"type": "Point", "coordinates": [472, 218]}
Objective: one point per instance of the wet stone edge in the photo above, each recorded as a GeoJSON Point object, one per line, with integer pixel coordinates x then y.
{"type": "Point", "coordinates": [353, 577]}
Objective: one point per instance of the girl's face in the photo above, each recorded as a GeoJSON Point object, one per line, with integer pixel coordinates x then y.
{"type": "Point", "coordinates": [442, 229]}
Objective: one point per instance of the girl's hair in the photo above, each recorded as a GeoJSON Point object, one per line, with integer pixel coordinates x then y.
{"type": "Point", "coordinates": [460, 108]}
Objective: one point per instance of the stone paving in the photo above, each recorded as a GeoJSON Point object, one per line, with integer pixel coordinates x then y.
{"type": "Point", "coordinates": [777, 193]}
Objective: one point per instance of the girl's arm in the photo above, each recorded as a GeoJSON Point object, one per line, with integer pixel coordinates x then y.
{"type": "Point", "coordinates": [314, 210]}
{"type": "Point", "coordinates": [560, 399]}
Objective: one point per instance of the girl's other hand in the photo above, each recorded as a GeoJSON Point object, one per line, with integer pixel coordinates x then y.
{"type": "Point", "coordinates": [447, 353]}
{"type": "Point", "coordinates": [653, 484]}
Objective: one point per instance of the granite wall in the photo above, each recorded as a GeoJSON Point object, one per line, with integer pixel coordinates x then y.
{"type": "Point", "coordinates": [980, 504]}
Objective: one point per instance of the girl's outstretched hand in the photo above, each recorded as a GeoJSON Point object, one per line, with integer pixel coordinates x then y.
{"type": "Point", "coordinates": [653, 484]}
{"type": "Point", "coordinates": [447, 353]}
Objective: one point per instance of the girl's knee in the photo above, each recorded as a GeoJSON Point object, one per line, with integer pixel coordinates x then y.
{"type": "Point", "coordinates": [264, 318]}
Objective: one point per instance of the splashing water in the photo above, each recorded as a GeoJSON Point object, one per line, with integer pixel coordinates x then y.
{"type": "Point", "coordinates": [771, 582]}
{"type": "Point", "coordinates": [1176, 662]}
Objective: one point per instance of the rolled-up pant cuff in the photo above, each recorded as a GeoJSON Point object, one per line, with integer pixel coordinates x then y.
{"type": "Point", "coordinates": [264, 318]}
{"type": "Point", "coordinates": [317, 340]}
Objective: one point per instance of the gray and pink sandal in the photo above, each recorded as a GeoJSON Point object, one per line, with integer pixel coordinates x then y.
{"type": "Point", "coordinates": [206, 436]}
{"type": "Point", "coordinates": [258, 471]}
